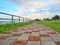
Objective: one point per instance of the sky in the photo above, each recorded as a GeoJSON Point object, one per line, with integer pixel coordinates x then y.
{"type": "Point", "coordinates": [34, 9]}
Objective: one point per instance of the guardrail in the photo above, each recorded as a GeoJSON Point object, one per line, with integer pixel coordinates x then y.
{"type": "Point", "coordinates": [12, 18]}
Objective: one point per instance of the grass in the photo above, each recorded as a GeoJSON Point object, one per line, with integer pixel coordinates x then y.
{"type": "Point", "coordinates": [54, 25]}
{"type": "Point", "coordinates": [9, 27]}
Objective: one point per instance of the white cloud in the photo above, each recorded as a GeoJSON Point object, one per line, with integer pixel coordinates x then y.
{"type": "Point", "coordinates": [35, 16]}
{"type": "Point", "coordinates": [38, 4]}
{"type": "Point", "coordinates": [47, 13]}
{"type": "Point", "coordinates": [55, 2]}
{"type": "Point", "coordinates": [52, 2]}
{"type": "Point", "coordinates": [17, 13]}
{"type": "Point", "coordinates": [26, 3]}
{"type": "Point", "coordinates": [20, 1]}
{"type": "Point", "coordinates": [33, 10]}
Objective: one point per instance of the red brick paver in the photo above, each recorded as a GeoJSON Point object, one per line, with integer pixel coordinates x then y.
{"type": "Point", "coordinates": [19, 42]}
{"type": "Point", "coordinates": [17, 34]}
{"type": "Point", "coordinates": [44, 35]}
{"type": "Point", "coordinates": [34, 38]}
{"type": "Point", "coordinates": [58, 43]}
{"type": "Point", "coordinates": [3, 37]}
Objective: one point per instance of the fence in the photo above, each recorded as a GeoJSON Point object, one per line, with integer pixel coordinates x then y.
{"type": "Point", "coordinates": [12, 19]}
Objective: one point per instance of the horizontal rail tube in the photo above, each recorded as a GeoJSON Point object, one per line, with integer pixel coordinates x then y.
{"type": "Point", "coordinates": [7, 19]}
{"type": "Point", "coordinates": [9, 14]}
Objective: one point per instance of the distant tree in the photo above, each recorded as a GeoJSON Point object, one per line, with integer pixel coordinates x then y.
{"type": "Point", "coordinates": [47, 19]}
{"type": "Point", "coordinates": [52, 18]}
{"type": "Point", "coordinates": [37, 19]}
{"type": "Point", "coordinates": [56, 17]}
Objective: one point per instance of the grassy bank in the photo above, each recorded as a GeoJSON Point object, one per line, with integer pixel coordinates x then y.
{"type": "Point", "coordinates": [53, 24]}
{"type": "Point", "coordinates": [9, 27]}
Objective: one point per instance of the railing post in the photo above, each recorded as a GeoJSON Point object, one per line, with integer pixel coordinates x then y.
{"type": "Point", "coordinates": [12, 20]}
{"type": "Point", "coordinates": [19, 19]}
{"type": "Point", "coordinates": [23, 19]}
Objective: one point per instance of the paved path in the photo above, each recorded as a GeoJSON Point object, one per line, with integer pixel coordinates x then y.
{"type": "Point", "coordinates": [34, 34]}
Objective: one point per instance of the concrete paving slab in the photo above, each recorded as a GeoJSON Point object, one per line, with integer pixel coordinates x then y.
{"type": "Point", "coordinates": [24, 37]}
{"type": "Point", "coordinates": [35, 34]}
{"type": "Point", "coordinates": [55, 37]}
{"type": "Point", "coordinates": [49, 31]}
{"type": "Point", "coordinates": [1, 41]}
{"type": "Point", "coordinates": [6, 42]}
{"type": "Point", "coordinates": [22, 31]}
{"type": "Point", "coordinates": [28, 30]}
{"type": "Point", "coordinates": [12, 37]}
{"type": "Point", "coordinates": [48, 43]}
{"type": "Point", "coordinates": [41, 28]}
{"type": "Point", "coordinates": [43, 32]}
{"type": "Point", "coordinates": [5, 34]}
{"type": "Point", "coordinates": [46, 39]}
{"type": "Point", "coordinates": [33, 43]}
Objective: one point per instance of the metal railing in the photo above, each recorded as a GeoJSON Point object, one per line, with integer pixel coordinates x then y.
{"type": "Point", "coordinates": [12, 18]}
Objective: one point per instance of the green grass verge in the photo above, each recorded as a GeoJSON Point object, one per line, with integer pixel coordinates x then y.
{"type": "Point", "coordinates": [54, 25]}
{"type": "Point", "coordinates": [9, 27]}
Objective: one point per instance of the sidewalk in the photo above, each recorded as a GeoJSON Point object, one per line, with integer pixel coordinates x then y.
{"type": "Point", "coordinates": [34, 34]}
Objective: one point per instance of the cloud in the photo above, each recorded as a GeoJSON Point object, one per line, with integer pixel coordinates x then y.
{"type": "Point", "coordinates": [38, 4]}
{"type": "Point", "coordinates": [44, 3]}
{"type": "Point", "coordinates": [47, 13]}
{"type": "Point", "coordinates": [55, 2]}
{"type": "Point", "coordinates": [20, 2]}
{"type": "Point", "coordinates": [17, 13]}
{"type": "Point", "coordinates": [30, 6]}
{"type": "Point", "coordinates": [24, 3]}
{"type": "Point", "coordinates": [34, 15]}
{"type": "Point", "coordinates": [33, 11]}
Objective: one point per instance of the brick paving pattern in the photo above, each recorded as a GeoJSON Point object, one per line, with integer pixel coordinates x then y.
{"type": "Point", "coordinates": [33, 34]}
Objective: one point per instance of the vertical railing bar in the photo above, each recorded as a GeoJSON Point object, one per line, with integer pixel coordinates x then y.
{"type": "Point", "coordinates": [12, 21]}
{"type": "Point", "coordinates": [19, 19]}
{"type": "Point", "coordinates": [23, 19]}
